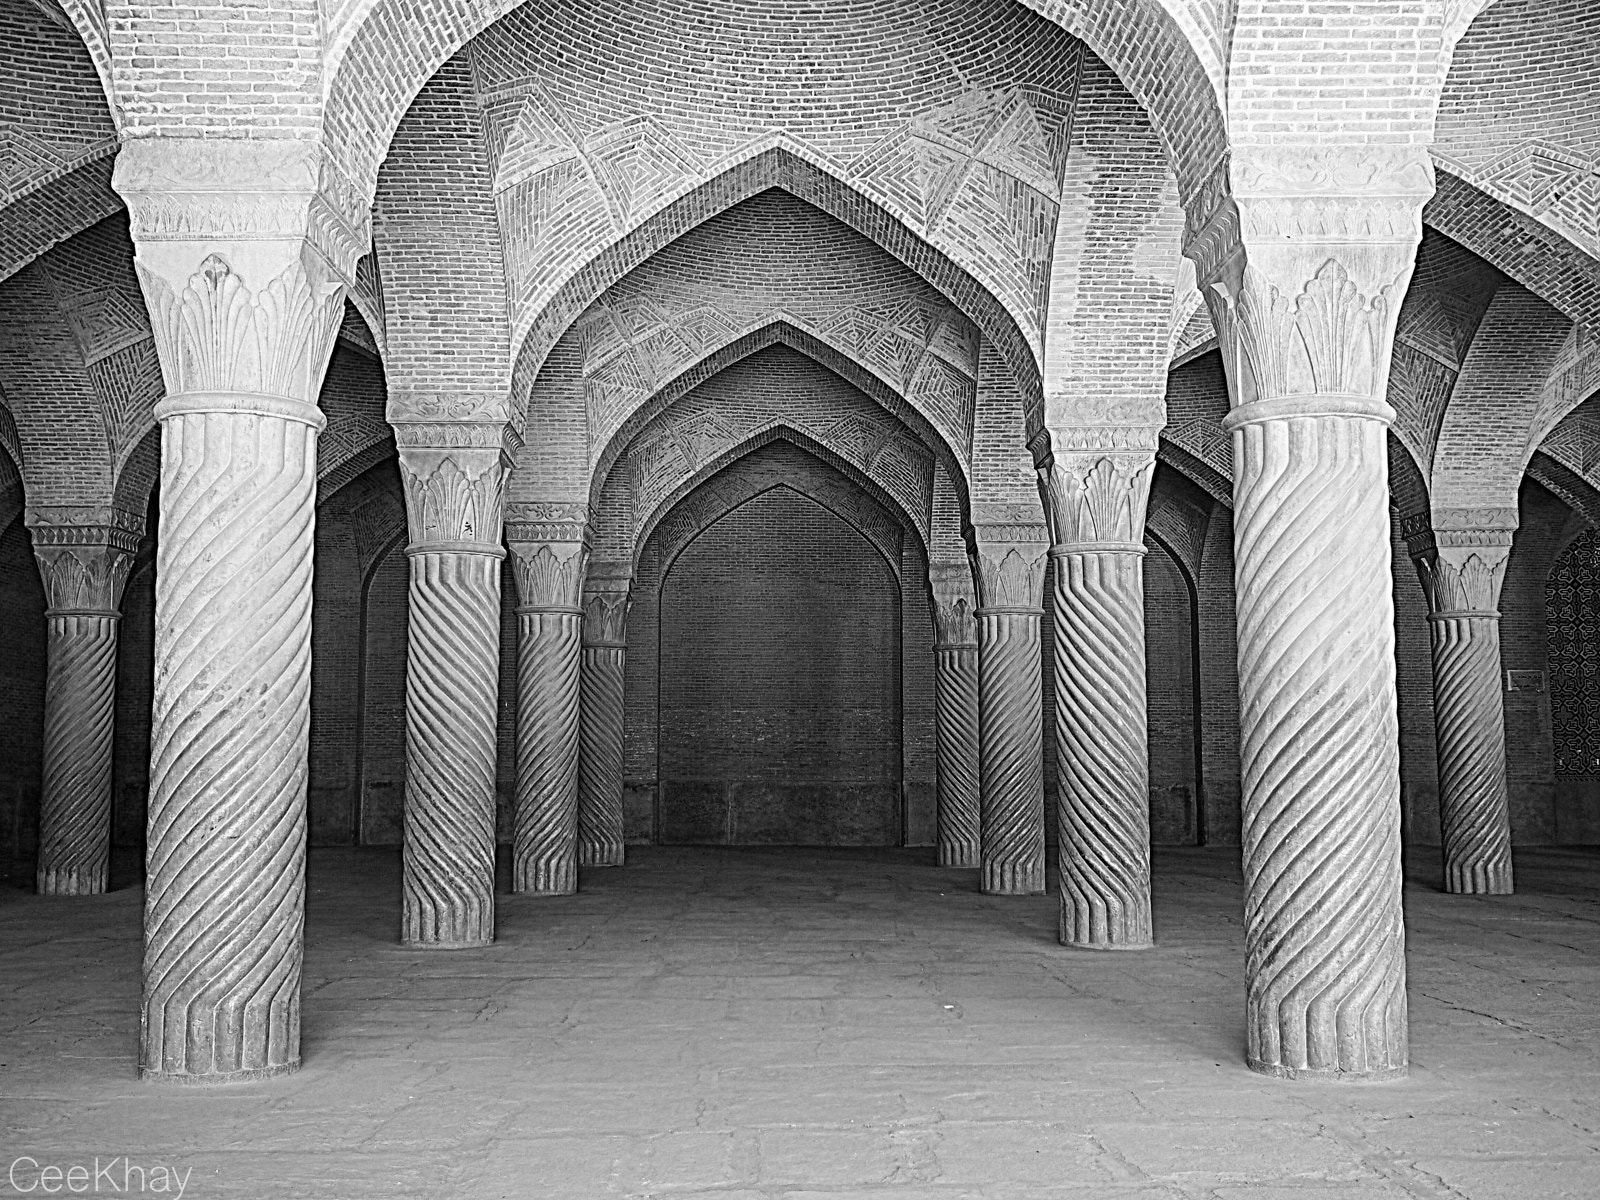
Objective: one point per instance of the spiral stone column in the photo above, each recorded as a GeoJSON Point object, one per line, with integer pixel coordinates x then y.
{"type": "Point", "coordinates": [1462, 571]}
{"type": "Point", "coordinates": [84, 568]}
{"type": "Point", "coordinates": [1097, 500]}
{"type": "Point", "coordinates": [1010, 563]}
{"type": "Point", "coordinates": [605, 649]}
{"type": "Point", "coordinates": [549, 623]}
{"type": "Point", "coordinates": [454, 478]}
{"type": "Point", "coordinates": [240, 248]}
{"type": "Point", "coordinates": [955, 649]}
{"type": "Point", "coordinates": [1304, 254]}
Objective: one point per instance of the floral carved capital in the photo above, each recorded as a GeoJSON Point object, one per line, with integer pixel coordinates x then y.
{"type": "Point", "coordinates": [1098, 499]}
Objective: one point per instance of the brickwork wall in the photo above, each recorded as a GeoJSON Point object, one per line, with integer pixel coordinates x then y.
{"type": "Point", "coordinates": [1219, 681]}
{"type": "Point", "coordinates": [52, 105]}
{"type": "Point", "coordinates": [734, 490]}
{"type": "Point", "coordinates": [1413, 656]}
{"type": "Point", "coordinates": [438, 244]}
{"type": "Point", "coordinates": [1115, 262]}
{"type": "Point", "coordinates": [1326, 71]}
{"type": "Point", "coordinates": [335, 678]}
{"type": "Point", "coordinates": [780, 722]}
{"type": "Point", "coordinates": [383, 717]}
{"type": "Point", "coordinates": [1517, 116]}
{"type": "Point", "coordinates": [22, 668]}
{"type": "Point", "coordinates": [218, 69]}
{"type": "Point", "coordinates": [130, 780]}
{"type": "Point", "coordinates": [1170, 687]}
{"type": "Point", "coordinates": [1524, 646]}
{"type": "Point", "coordinates": [1493, 421]}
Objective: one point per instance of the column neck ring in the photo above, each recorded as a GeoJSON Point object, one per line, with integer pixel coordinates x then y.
{"type": "Point", "coordinates": [241, 404]}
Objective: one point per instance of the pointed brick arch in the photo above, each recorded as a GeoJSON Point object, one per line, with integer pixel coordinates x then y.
{"type": "Point", "coordinates": [718, 358]}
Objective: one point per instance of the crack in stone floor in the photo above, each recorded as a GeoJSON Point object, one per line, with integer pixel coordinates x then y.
{"type": "Point", "coordinates": [794, 1024]}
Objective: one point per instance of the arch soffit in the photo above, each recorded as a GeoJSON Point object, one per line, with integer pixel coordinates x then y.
{"type": "Point", "coordinates": [785, 168]}
{"type": "Point", "coordinates": [1499, 402]}
{"type": "Point", "coordinates": [732, 458]}
{"type": "Point", "coordinates": [840, 360]}
{"type": "Point", "coordinates": [1573, 488]}
{"type": "Point", "coordinates": [897, 489]}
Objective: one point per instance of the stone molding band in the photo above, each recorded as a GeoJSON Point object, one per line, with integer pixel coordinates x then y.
{"type": "Point", "coordinates": [1464, 614]}
{"type": "Point", "coordinates": [243, 404]}
{"type": "Point", "coordinates": [1066, 548]}
{"type": "Point", "coordinates": [487, 549]}
{"type": "Point", "coordinates": [1326, 404]}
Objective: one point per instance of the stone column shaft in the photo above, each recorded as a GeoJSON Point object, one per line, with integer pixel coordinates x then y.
{"type": "Point", "coordinates": [84, 569]}
{"type": "Point", "coordinates": [453, 476]}
{"type": "Point", "coordinates": [602, 694]}
{"type": "Point", "coordinates": [1304, 253]}
{"type": "Point", "coordinates": [1461, 574]}
{"type": "Point", "coordinates": [225, 854]}
{"type": "Point", "coordinates": [1010, 579]}
{"type": "Point", "coordinates": [1097, 501]}
{"type": "Point", "coordinates": [956, 725]}
{"type": "Point", "coordinates": [549, 628]}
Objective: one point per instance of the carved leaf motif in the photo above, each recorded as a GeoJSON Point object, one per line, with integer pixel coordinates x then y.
{"type": "Point", "coordinates": [548, 578]}
{"type": "Point", "coordinates": [89, 578]}
{"type": "Point", "coordinates": [217, 335]}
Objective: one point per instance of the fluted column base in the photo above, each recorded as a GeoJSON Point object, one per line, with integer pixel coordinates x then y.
{"type": "Point", "coordinates": [1012, 749]}
{"type": "Point", "coordinates": [1102, 748]}
{"type": "Point", "coordinates": [600, 757]}
{"type": "Point", "coordinates": [960, 842]}
{"type": "Point", "coordinates": [75, 802]}
{"type": "Point", "coordinates": [548, 662]}
{"type": "Point", "coordinates": [1469, 713]}
{"type": "Point", "coordinates": [452, 692]}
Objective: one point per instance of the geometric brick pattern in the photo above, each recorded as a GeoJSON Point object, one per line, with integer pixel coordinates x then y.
{"type": "Point", "coordinates": [1572, 607]}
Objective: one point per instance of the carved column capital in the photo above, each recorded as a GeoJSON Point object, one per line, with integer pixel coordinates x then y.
{"type": "Point", "coordinates": [84, 567]}
{"type": "Point", "coordinates": [1096, 499]}
{"type": "Point", "coordinates": [955, 606]}
{"type": "Point", "coordinates": [1008, 566]}
{"type": "Point", "coordinates": [605, 603]}
{"type": "Point", "coordinates": [1461, 558]}
{"type": "Point", "coordinates": [1304, 254]}
{"type": "Point", "coordinates": [454, 476]}
{"type": "Point", "coordinates": [549, 575]}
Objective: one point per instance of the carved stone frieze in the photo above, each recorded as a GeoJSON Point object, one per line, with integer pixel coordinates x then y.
{"type": "Point", "coordinates": [548, 521]}
{"type": "Point", "coordinates": [222, 189]}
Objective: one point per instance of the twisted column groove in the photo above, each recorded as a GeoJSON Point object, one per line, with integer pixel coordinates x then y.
{"type": "Point", "coordinates": [956, 729]}
{"type": "Point", "coordinates": [1474, 815]}
{"type": "Point", "coordinates": [548, 661]}
{"type": "Point", "coordinates": [225, 887]}
{"type": "Point", "coordinates": [600, 758]}
{"type": "Point", "coordinates": [79, 706]}
{"type": "Point", "coordinates": [1012, 750]}
{"type": "Point", "coordinates": [1324, 938]}
{"type": "Point", "coordinates": [452, 671]}
{"type": "Point", "coordinates": [1102, 749]}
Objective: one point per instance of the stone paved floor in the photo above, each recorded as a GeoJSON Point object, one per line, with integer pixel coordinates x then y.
{"type": "Point", "coordinates": [741, 1024]}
